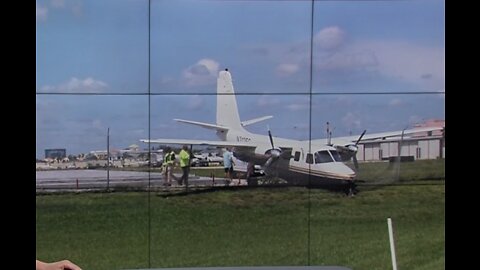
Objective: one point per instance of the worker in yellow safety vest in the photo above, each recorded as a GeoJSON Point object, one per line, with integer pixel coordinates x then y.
{"type": "Point", "coordinates": [168, 164]}
{"type": "Point", "coordinates": [184, 164]}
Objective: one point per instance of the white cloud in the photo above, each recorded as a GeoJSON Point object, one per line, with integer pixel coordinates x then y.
{"type": "Point", "coordinates": [415, 119]}
{"type": "Point", "coordinates": [395, 102]}
{"type": "Point", "coordinates": [97, 124]}
{"type": "Point", "coordinates": [195, 103]}
{"type": "Point", "coordinates": [288, 58]}
{"type": "Point", "coordinates": [74, 85]}
{"type": "Point", "coordinates": [41, 13]}
{"type": "Point", "coordinates": [352, 121]}
{"type": "Point", "coordinates": [77, 8]}
{"type": "Point", "coordinates": [345, 61]}
{"type": "Point", "coordinates": [166, 80]}
{"type": "Point", "coordinates": [298, 106]}
{"type": "Point", "coordinates": [329, 38]}
{"type": "Point", "coordinates": [204, 72]}
{"type": "Point", "coordinates": [398, 61]}
{"type": "Point", "coordinates": [421, 65]}
{"type": "Point", "coordinates": [267, 101]}
{"type": "Point", "coordinates": [73, 6]}
{"type": "Point", "coordinates": [57, 3]}
{"type": "Point", "coordinates": [287, 69]}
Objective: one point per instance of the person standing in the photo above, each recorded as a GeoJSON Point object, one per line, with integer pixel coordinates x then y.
{"type": "Point", "coordinates": [228, 165]}
{"type": "Point", "coordinates": [168, 161]}
{"type": "Point", "coordinates": [250, 172]}
{"type": "Point", "coordinates": [184, 164]}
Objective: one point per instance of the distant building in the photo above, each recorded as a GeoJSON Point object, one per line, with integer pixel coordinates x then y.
{"type": "Point", "coordinates": [424, 145]}
{"type": "Point", "coordinates": [55, 153]}
{"type": "Point", "coordinates": [431, 123]}
{"type": "Point", "coordinates": [134, 148]}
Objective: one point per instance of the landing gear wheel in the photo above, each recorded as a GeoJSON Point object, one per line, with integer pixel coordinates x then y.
{"type": "Point", "coordinates": [351, 190]}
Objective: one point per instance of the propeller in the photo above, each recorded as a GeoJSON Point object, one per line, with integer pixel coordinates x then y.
{"type": "Point", "coordinates": [354, 157]}
{"type": "Point", "coordinates": [350, 150]}
{"type": "Point", "coordinates": [273, 152]}
{"type": "Point", "coordinates": [361, 136]}
{"type": "Point", "coordinates": [355, 162]}
{"type": "Point", "coordinates": [270, 136]}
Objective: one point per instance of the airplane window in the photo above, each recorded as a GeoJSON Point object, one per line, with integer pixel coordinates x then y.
{"type": "Point", "coordinates": [323, 157]}
{"type": "Point", "coordinates": [309, 158]}
{"type": "Point", "coordinates": [297, 156]}
{"type": "Point", "coordinates": [336, 156]}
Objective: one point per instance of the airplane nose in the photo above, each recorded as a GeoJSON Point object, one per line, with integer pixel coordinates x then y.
{"type": "Point", "coordinates": [339, 170]}
{"type": "Point", "coordinates": [345, 170]}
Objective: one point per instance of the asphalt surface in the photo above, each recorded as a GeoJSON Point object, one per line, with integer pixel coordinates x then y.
{"type": "Point", "coordinates": [78, 180]}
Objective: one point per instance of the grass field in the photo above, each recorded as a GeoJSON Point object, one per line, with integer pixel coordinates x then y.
{"type": "Point", "coordinates": [245, 227]}
{"type": "Point", "coordinates": [387, 172]}
{"type": "Point", "coordinates": [368, 171]}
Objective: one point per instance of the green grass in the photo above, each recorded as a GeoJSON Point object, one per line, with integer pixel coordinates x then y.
{"type": "Point", "coordinates": [386, 172]}
{"type": "Point", "coordinates": [371, 172]}
{"type": "Point", "coordinates": [246, 227]}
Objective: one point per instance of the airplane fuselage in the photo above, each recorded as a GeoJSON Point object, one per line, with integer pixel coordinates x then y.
{"type": "Point", "coordinates": [304, 164]}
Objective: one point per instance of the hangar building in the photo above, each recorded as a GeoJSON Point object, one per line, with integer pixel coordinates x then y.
{"type": "Point", "coordinates": [425, 145]}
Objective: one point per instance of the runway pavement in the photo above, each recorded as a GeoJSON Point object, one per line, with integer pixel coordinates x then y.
{"type": "Point", "coordinates": [78, 180]}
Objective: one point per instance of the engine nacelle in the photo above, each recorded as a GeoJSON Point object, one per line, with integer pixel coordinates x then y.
{"type": "Point", "coordinates": [275, 152]}
{"type": "Point", "coordinates": [346, 151]}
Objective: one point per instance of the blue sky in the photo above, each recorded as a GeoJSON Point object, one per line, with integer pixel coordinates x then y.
{"type": "Point", "coordinates": [101, 47]}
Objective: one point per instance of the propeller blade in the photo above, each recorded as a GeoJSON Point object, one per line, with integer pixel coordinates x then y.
{"type": "Point", "coordinates": [271, 138]}
{"type": "Point", "coordinates": [355, 162]}
{"type": "Point", "coordinates": [274, 156]}
{"type": "Point", "coordinates": [361, 136]}
{"type": "Point", "coordinates": [268, 163]}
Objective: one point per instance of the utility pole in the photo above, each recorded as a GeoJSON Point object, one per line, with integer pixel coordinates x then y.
{"type": "Point", "coordinates": [108, 159]}
{"type": "Point", "coordinates": [397, 173]}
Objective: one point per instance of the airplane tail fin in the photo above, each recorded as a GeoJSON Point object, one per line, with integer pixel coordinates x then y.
{"type": "Point", "coordinates": [227, 109]}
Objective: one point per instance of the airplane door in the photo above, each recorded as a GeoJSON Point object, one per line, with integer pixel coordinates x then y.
{"type": "Point", "coordinates": [297, 155]}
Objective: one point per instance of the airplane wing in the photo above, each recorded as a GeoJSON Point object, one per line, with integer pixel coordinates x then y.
{"type": "Point", "coordinates": [204, 125]}
{"type": "Point", "coordinates": [376, 136]}
{"type": "Point", "coordinates": [197, 142]}
{"type": "Point", "coordinates": [242, 151]}
{"type": "Point", "coordinates": [382, 135]}
{"type": "Point", "coordinates": [347, 146]}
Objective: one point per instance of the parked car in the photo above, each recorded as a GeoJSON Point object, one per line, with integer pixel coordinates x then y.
{"type": "Point", "coordinates": [197, 162]}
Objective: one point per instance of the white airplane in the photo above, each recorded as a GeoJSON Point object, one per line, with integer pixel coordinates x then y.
{"type": "Point", "coordinates": [317, 163]}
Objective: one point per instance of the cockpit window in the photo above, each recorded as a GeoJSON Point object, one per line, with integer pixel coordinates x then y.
{"type": "Point", "coordinates": [309, 158]}
{"type": "Point", "coordinates": [336, 155]}
{"type": "Point", "coordinates": [323, 157]}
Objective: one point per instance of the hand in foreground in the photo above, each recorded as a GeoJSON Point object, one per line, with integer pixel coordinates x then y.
{"type": "Point", "coordinates": [60, 265]}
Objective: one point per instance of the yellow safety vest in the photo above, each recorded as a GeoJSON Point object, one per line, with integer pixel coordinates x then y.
{"type": "Point", "coordinates": [168, 158]}
{"type": "Point", "coordinates": [184, 158]}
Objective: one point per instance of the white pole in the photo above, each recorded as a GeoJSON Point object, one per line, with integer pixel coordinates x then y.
{"type": "Point", "coordinates": [392, 244]}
